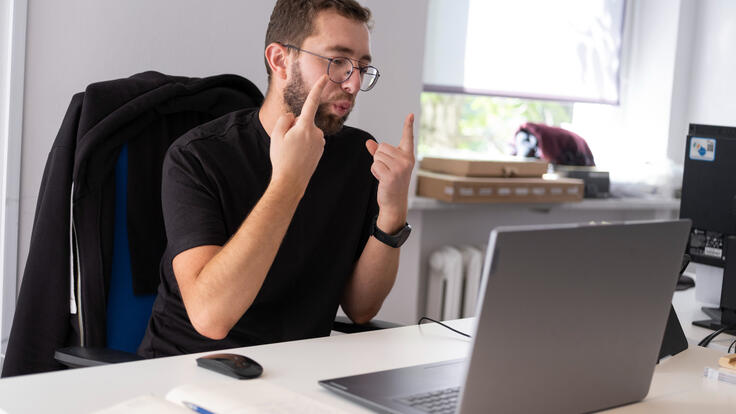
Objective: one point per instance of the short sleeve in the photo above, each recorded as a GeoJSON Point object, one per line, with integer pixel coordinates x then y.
{"type": "Point", "coordinates": [370, 212]}
{"type": "Point", "coordinates": [191, 205]}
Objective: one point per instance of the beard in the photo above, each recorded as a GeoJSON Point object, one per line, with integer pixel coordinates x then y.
{"type": "Point", "coordinates": [295, 94]}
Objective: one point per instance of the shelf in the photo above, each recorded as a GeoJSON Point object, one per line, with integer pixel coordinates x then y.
{"type": "Point", "coordinates": [417, 203]}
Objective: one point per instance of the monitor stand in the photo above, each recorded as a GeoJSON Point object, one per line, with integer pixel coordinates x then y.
{"type": "Point", "coordinates": [725, 315]}
{"type": "Point", "coordinates": [719, 318]}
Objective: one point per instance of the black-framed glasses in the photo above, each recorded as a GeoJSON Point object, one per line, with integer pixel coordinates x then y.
{"type": "Point", "coordinates": [339, 69]}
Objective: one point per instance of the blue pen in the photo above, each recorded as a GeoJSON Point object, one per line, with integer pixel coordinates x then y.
{"type": "Point", "coordinates": [196, 408]}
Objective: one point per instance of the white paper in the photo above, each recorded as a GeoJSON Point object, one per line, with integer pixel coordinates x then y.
{"type": "Point", "coordinates": [144, 404]}
{"type": "Point", "coordinates": [248, 397]}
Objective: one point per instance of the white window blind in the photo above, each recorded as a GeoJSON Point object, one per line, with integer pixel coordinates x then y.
{"type": "Point", "coordinates": [537, 49]}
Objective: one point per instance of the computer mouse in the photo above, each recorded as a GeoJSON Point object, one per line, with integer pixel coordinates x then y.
{"type": "Point", "coordinates": [685, 282]}
{"type": "Point", "coordinates": [233, 365]}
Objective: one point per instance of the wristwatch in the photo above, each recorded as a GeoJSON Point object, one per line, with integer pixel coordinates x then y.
{"type": "Point", "coordinates": [393, 240]}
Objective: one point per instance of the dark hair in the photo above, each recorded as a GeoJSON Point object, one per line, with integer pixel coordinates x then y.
{"type": "Point", "coordinates": [292, 21]}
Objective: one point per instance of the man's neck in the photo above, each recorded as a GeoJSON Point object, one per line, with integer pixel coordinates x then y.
{"type": "Point", "coordinates": [271, 110]}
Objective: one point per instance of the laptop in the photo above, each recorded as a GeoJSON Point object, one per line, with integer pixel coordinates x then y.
{"type": "Point", "coordinates": [570, 318]}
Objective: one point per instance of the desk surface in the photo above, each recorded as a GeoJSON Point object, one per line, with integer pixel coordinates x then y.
{"type": "Point", "coordinates": [678, 385]}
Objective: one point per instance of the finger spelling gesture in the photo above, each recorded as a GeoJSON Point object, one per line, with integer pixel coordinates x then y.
{"type": "Point", "coordinates": [392, 168]}
{"type": "Point", "coordinates": [297, 144]}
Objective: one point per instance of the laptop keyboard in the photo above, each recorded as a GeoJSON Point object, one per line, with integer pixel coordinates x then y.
{"type": "Point", "coordinates": [435, 402]}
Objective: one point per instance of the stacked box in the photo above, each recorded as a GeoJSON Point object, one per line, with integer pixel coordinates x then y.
{"type": "Point", "coordinates": [476, 168]}
{"type": "Point", "coordinates": [471, 181]}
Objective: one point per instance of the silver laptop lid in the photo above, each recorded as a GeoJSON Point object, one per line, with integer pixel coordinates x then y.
{"type": "Point", "coordinates": [572, 316]}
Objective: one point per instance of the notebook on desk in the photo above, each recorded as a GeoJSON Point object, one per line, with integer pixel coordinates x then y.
{"type": "Point", "coordinates": [570, 319]}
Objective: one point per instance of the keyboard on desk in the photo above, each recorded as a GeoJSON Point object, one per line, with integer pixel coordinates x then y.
{"type": "Point", "coordinates": [436, 402]}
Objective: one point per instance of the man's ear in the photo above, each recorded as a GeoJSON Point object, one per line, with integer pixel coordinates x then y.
{"type": "Point", "coordinates": [276, 55]}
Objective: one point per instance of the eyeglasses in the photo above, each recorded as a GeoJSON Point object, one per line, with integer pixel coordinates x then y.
{"type": "Point", "coordinates": [339, 69]}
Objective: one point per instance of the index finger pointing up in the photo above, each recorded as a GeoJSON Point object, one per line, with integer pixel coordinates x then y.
{"type": "Point", "coordinates": [309, 109]}
{"type": "Point", "coordinates": [407, 137]}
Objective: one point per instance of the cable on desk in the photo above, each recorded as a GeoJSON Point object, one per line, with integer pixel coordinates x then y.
{"type": "Point", "coordinates": [438, 322]}
{"type": "Point", "coordinates": [732, 346]}
{"type": "Point", "coordinates": [706, 341]}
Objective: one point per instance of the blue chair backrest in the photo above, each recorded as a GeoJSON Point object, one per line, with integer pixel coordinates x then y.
{"type": "Point", "coordinates": [127, 313]}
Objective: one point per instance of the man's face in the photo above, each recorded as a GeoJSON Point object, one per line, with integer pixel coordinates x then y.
{"type": "Point", "coordinates": [334, 36]}
{"type": "Point", "coordinates": [295, 94]}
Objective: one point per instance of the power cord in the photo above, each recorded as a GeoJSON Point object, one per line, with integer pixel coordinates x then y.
{"type": "Point", "coordinates": [706, 341]}
{"type": "Point", "coordinates": [423, 318]}
{"type": "Point", "coordinates": [733, 345]}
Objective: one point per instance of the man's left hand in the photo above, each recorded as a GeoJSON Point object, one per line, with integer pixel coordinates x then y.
{"type": "Point", "coordinates": [392, 168]}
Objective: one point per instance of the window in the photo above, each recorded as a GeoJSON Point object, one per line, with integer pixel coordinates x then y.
{"type": "Point", "coordinates": [12, 60]}
{"type": "Point", "coordinates": [491, 65]}
{"type": "Point", "coordinates": [462, 124]}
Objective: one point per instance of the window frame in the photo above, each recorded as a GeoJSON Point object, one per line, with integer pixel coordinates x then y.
{"type": "Point", "coordinates": [11, 133]}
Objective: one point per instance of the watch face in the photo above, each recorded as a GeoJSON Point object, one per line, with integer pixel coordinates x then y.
{"type": "Point", "coordinates": [392, 240]}
{"type": "Point", "coordinates": [403, 235]}
{"type": "Point", "coordinates": [396, 240]}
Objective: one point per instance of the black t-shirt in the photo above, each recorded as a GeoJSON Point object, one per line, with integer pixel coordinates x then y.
{"type": "Point", "coordinates": [212, 177]}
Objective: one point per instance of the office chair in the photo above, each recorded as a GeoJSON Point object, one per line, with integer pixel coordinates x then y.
{"type": "Point", "coordinates": [69, 293]}
{"type": "Point", "coordinates": [127, 313]}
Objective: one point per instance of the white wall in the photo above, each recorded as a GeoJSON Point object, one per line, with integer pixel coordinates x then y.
{"type": "Point", "coordinates": [73, 43]}
{"type": "Point", "coordinates": [76, 42]}
{"type": "Point", "coordinates": [704, 84]}
{"type": "Point", "coordinates": [638, 129]}
{"type": "Point", "coordinates": [678, 68]}
{"type": "Point", "coordinates": [712, 94]}
{"type": "Point", "coordinates": [398, 50]}
{"type": "Point", "coordinates": [680, 105]}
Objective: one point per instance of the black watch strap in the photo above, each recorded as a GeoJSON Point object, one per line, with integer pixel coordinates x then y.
{"type": "Point", "coordinates": [393, 240]}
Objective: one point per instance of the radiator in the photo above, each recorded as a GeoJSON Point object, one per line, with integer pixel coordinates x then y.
{"type": "Point", "coordinates": [454, 281]}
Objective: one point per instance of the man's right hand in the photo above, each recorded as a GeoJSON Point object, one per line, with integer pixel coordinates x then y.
{"type": "Point", "coordinates": [219, 284]}
{"type": "Point", "coordinates": [297, 144]}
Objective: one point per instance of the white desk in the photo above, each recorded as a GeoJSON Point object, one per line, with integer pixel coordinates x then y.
{"type": "Point", "coordinates": [678, 385]}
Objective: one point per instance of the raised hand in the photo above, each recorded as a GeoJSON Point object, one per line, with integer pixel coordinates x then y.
{"type": "Point", "coordinates": [392, 168]}
{"type": "Point", "coordinates": [297, 144]}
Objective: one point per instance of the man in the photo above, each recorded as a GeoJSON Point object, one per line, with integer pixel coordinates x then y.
{"type": "Point", "coordinates": [272, 215]}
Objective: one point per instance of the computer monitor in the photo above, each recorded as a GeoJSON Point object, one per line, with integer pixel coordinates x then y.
{"type": "Point", "coordinates": [709, 200]}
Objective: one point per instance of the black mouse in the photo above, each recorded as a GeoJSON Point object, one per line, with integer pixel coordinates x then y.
{"type": "Point", "coordinates": [685, 282]}
{"type": "Point", "coordinates": [233, 365]}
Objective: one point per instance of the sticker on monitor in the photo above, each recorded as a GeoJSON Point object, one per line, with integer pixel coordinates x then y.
{"type": "Point", "coordinates": [706, 243]}
{"type": "Point", "coordinates": [702, 149]}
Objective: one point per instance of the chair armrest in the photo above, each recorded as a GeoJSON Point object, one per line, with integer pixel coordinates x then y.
{"type": "Point", "coordinates": [345, 325]}
{"type": "Point", "coordinates": [80, 357]}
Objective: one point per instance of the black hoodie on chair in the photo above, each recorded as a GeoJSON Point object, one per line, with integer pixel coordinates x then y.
{"type": "Point", "coordinates": [147, 111]}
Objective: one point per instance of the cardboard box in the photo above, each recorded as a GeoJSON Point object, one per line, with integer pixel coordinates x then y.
{"type": "Point", "coordinates": [498, 190]}
{"type": "Point", "coordinates": [484, 168]}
